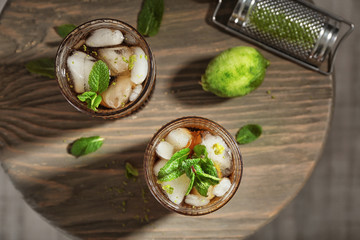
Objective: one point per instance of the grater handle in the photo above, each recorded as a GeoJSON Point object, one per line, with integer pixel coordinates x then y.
{"type": "Point", "coordinates": [340, 38]}
{"type": "Point", "coordinates": [332, 54]}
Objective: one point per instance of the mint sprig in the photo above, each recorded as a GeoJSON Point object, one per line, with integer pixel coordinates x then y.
{"type": "Point", "coordinates": [99, 79]}
{"type": "Point", "coordinates": [200, 179]}
{"type": "Point", "coordinates": [91, 98]}
{"type": "Point", "coordinates": [206, 163]}
{"type": "Point", "coordinates": [202, 185]}
{"type": "Point", "coordinates": [172, 169]}
{"type": "Point", "coordinates": [200, 169]}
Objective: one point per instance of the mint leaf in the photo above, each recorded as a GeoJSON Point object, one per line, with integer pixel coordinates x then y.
{"type": "Point", "coordinates": [174, 164]}
{"type": "Point", "coordinates": [150, 17]}
{"type": "Point", "coordinates": [186, 165]}
{"type": "Point", "coordinates": [86, 96]}
{"type": "Point", "coordinates": [98, 81]}
{"type": "Point", "coordinates": [248, 133]}
{"type": "Point", "coordinates": [199, 171]}
{"type": "Point", "coordinates": [208, 166]}
{"type": "Point", "coordinates": [195, 172]}
{"type": "Point", "coordinates": [64, 30]}
{"type": "Point", "coordinates": [42, 66]}
{"type": "Point", "coordinates": [83, 146]}
{"type": "Point", "coordinates": [201, 185]}
{"type": "Point", "coordinates": [99, 77]}
{"type": "Point", "coordinates": [206, 163]}
{"type": "Point", "coordinates": [130, 171]}
{"type": "Point", "coordinates": [200, 151]}
{"type": "Point", "coordinates": [171, 176]}
{"type": "Point", "coordinates": [91, 98]}
{"type": "Point", "coordinates": [201, 180]}
{"type": "Point", "coordinates": [95, 102]}
{"type": "Point", "coordinates": [191, 185]}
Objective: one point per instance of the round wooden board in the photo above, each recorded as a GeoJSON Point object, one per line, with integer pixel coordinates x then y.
{"type": "Point", "coordinates": [85, 196]}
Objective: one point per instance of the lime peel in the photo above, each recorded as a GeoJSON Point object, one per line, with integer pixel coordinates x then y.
{"type": "Point", "coordinates": [235, 72]}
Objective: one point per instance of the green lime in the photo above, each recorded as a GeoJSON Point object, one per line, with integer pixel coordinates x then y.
{"type": "Point", "coordinates": [235, 72]}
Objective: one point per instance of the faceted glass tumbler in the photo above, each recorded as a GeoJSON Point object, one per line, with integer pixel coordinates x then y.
{"type": "Point", "coordinates": [67, 46]}
{"type": "Point", "coordinates": [192, 123]}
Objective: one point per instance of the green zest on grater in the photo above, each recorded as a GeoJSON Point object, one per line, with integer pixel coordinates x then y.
{"type": "Point", "coordinates": [294, 29]}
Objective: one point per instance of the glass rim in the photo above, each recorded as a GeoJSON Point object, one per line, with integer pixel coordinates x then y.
{"type": "Point", "coordinates": [157, 192]}
{"type": "Point", "coordinates": [148, 84]}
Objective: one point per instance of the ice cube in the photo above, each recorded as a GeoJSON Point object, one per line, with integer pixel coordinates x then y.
{"type": "Point", "coordinates": [158, 165]}
{"type": "Point", "coordinates": [196, 200]}
{"type": "Point", "coordinates": [165, 150]}
{"type": "Point", "coordinates": [116, 58]}
{"type": "Point", "coordinates": [179, 138]}
{"type": "Point", "coordinates": [117, 93]}
{"type": "Point", "coordinates": [140, 69]}
{"type": "Point", "coordinates": [176, 189]}
{"type": "Point", "coordinates": [135, 92]}
{"type": "Point", "coordinates": [104, 37]}
{"type": "Point", "coordinates": [218, 152]}
{"type": "Point", "coordinates": [221, 188]}
{"type": "Point", "coordinates": [129, 39]}
{"type": "Point", "coordinates": [210, 194]}
{"type": "Point", "coordinates": [80, 65]}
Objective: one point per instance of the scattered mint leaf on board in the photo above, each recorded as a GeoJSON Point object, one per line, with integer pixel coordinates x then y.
{"type": "Point", "coordinates": [99, 77]}
{"type": "Point", "coordinates": [150, 17]}
{"type": "Point", "coordinates": [131, 171]}
{"type": "Point", "coordinates": [86, 145]}
{"type": "Point", "coordinates": [248, 133]}
{"type": "Point", "coordinates": [42, 66]}
{"type": "Point", "coordinates": [64, 30]}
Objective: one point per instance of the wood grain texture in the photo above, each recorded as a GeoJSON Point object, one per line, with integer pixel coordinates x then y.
{"type": "Point", "coordinates": [84, 196]}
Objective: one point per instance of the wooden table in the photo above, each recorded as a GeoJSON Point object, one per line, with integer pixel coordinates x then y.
{"type": "Point", "coordinates": [85, 196]}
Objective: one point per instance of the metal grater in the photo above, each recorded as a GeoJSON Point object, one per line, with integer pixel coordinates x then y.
{"type": "Point", "coordinates": [294, 29]}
